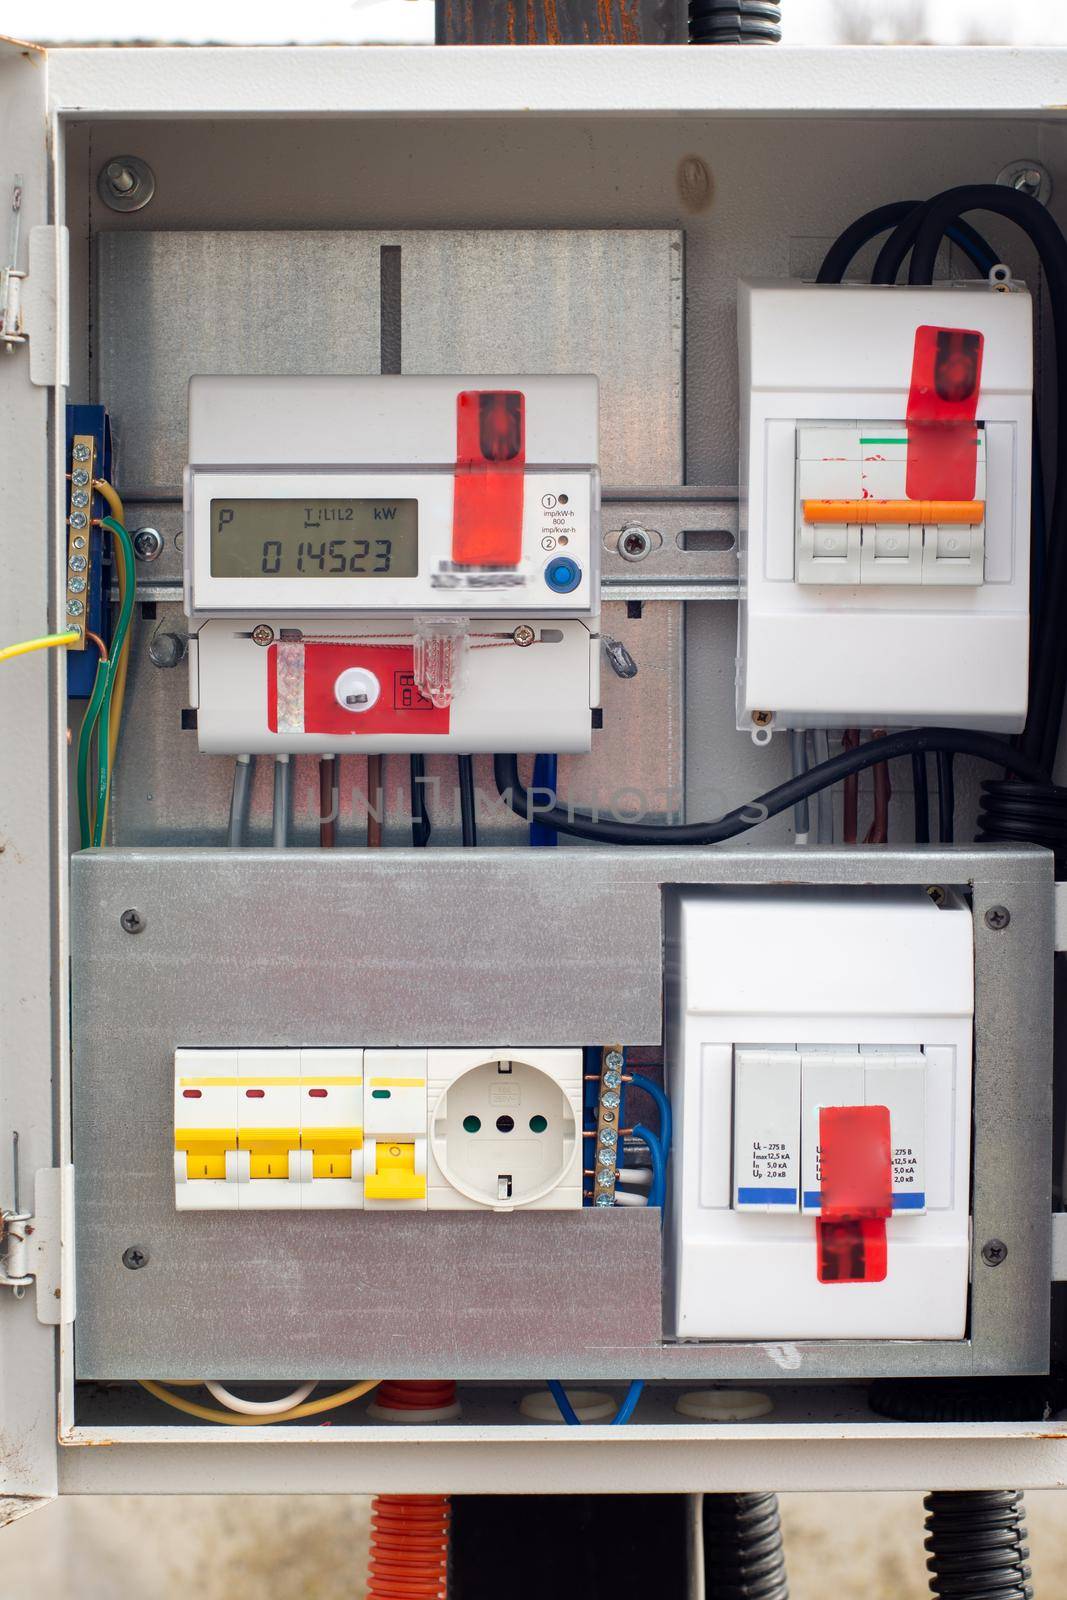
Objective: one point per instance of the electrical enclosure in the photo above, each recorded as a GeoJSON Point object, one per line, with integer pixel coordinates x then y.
{"type": "Point", "coordinates": [418, 1042]}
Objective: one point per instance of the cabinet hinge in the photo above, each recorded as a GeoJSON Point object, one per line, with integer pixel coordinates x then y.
{"type": "Point", "coordinates": [37, 1246]}
{"type": "Point", "coordinates": [33, 301]}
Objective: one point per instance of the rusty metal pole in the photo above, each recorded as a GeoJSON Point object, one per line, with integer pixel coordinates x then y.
{"type": "Point", "coordinates": [561, 22]}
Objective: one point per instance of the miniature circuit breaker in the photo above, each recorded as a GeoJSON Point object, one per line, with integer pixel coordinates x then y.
{"type": "Point", "coordinates": [885, 472]}
{"type": "Point", "coordinates": [394, 563]}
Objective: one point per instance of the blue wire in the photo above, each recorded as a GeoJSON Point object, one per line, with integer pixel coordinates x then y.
{"type": "Point", "coordinates": [657, 1195]}
{"type": "Point", "coordinates": [566, 1410]}
{"type": "Point", "coordinates": [545, 776]}
{"type": "Point", "coordinates": [663, 1105]}
{"type": "Point", "coordinates": [629, 1404]}
{"type": "Point", "coordinates": [573, 1420]}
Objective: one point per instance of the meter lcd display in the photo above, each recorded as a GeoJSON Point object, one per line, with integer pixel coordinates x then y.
{"type": "Point", "coordinates": [314, 538]}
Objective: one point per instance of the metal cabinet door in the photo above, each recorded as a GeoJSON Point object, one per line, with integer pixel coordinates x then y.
{"type": "Point", "coordinates": [33, 1021]}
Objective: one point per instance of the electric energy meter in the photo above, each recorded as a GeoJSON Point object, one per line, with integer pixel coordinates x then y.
{"type": "Point", "coordinates": [393, 563]}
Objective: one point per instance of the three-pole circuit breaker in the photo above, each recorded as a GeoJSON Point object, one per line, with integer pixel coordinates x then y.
{"type": "Point", "coordinates": [885, 505]}
{"type": "Point", "coordinates": [820, 1063]}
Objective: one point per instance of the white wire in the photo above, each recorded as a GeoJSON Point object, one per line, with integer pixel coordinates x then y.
{"type": "Point", "coordinates": [624, 1199]}
{"type": "Point", "coordinates": [641, 1176]}
{"type": "Point", "coordinates": [260, 1408]}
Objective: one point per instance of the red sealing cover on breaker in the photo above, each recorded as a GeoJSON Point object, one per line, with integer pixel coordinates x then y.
{"type": "Point", "coordinates": [400, 707]}
{"type": "Point", "coordinates": [490, 477]}
{"type": "Point", "coordinates": [946, 376]}
{"type": "Point", "coordinates": [857, 1193]}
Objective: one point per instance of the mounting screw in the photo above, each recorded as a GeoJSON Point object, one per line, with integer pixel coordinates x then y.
{"type": "Point", "coordinates": [132, 921]}
{"type": "Point", "coordinates": [1027, 177]}
{"type": "Point", "coordinates": [126, 183]}
{"type": "Point", "coordinates": [763, 719]}
{"type": "Point", "coordinates": [997, 917]}
{"type": "Point", "coordinates": [135, 1256]}
{"type": "Point", "coordinates": [147, 542]}
{"type": "Point", "coordinates": [263, 634]}
{"type": "Point", "coordinates": [994, 1251]}
{"type": "Point", "coordinates": [166, 649]}
{"type": "Point", "coordinates": [936, 893]}
{"type": "Point", "coordinates": [635, 542]}
{"type": "Point", "coordinates": [523, 635]}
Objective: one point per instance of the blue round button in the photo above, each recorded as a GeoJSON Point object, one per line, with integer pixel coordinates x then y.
{"type": "Point", "coordinates": [562, 575]}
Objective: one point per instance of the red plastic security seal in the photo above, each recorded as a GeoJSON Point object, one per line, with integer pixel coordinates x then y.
{"type": "Point", "coordinates": [946, 377]}
{"type": "Point", "coordinates": [490, 477]}
{"type": "Point", "coordinates": [400, 707]}
{"type": "Point", "coordinates": [857, 1193]}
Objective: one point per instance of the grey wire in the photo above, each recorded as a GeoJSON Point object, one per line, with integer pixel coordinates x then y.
{"type": "Point", "coordinates": [799, 756]}
{"type": "Point", "coordinates": [824, 801]}
{"type": "Point", "coordinates": [240, 802]}
{"type": "Point", "coordinates": [283, 794]}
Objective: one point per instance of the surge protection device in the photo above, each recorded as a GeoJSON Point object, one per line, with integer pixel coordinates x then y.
{"type": "Point", "coordinates": [885, 507]}
{"type": "Point", "coordinates": [392, 563]}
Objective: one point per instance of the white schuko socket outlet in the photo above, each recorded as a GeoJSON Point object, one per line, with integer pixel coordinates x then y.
{"type": "Point", "coordinates": [505, 1129]}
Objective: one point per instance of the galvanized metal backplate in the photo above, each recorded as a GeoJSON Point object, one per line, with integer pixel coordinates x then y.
{"type": "Point", "coordinates": [607, 301]}
{"type": "Point", "coordinates": [556, 947]}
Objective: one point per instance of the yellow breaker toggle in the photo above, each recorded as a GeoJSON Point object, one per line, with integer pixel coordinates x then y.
{"type": "Point", "coordinates": [394, 1177]}
{"type": "Point", "coordinates": [268, 1148]}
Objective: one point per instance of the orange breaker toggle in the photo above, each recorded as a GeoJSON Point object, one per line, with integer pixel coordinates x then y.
{"type": "Point", "coordinates": [955, 512]}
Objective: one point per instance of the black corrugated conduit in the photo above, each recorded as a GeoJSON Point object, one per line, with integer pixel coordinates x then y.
{"type": "Point", "coordinates": [977, 1545]}
{"type": "Point", "coordinates": [734, 22]}
{"type": "Point", "coordinates": [743, 1554]}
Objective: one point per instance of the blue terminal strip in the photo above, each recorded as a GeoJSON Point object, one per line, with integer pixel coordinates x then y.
{"type": "Point", "coordinates": [81, 664]}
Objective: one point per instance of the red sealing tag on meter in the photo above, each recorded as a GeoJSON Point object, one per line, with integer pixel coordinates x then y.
{"type": "Point", "coordinates": [490, 478]}
{"type": "Point", "coordinates": [311, 705]}
{"type": "Point", "coordinates": [856, 1160]}
{"type": "Point", "coordinates": [946, 376]}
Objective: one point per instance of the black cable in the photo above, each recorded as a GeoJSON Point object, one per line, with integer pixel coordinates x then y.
{"type": "Point", "coordinates": [743, 1554]}
{"type": "Point", "coordinates": [977, 1545]}
{"type": "Point", "coordinates": [946, 797]}
{"type": "Point", "coordinates": [961, 741]}
{"type": "Point", "coordinates": [967, 1399]}
{"type": "Point", "coordinates": [1024, 813]}
{"type": "Point", "coordinates": [841, 253]}
{"type": "Point", "coordinates": [420, 817]}
{"type": "Point", "coordinates": [467, 817]}
{"type": "Point", "coordinates": [921, 797]}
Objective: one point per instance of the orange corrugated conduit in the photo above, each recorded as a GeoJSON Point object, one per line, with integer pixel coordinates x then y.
{"type": "Point", "coordinates": [410, 1532]}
